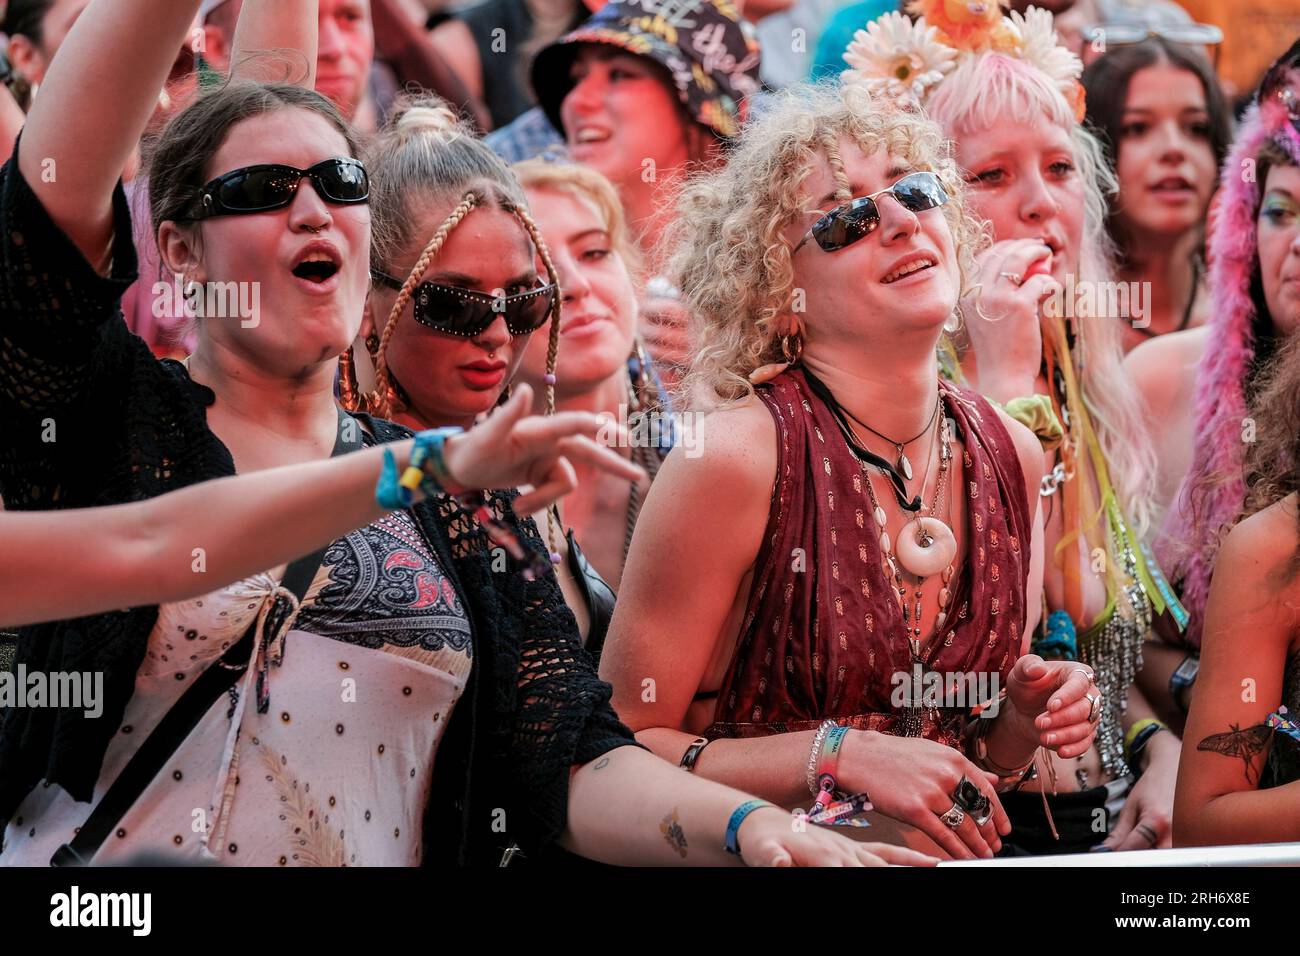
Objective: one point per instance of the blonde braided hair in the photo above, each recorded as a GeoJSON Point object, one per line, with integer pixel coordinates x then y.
{"type": "Point", "coordinates": [380, 401]}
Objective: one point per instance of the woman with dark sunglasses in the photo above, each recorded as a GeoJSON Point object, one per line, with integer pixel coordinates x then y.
{"type": "Point", "coordinates": [865, 594]}
{"type": "Point", "coordinates": [445, 661]}
{"type": "Point", "coordinates": [458, 323]}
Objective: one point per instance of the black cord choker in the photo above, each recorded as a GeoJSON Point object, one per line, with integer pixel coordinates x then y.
{"type": "Point", "coordinates": [862, 454]}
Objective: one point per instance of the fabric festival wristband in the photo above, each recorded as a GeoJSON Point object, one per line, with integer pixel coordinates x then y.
{"type": "Point", "coordinates": [730, 844]}
{"type": "Point", "coordinates": [1138, 735]}
{"type": "Point", "coordinates": [829, 765]}
{"type": "Point", "coordinates": [427, 461]}
{"type": "Point", "coordinates": [394, 491]}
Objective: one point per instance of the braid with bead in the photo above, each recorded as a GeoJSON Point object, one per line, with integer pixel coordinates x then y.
{"type": "Point", "coordinates": [380, 400]}
{"type": "Point", "coordinates": [552, 343]}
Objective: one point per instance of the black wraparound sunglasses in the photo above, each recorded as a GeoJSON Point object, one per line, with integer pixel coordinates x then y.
{"type": "Point", "coordinates": [846, 224]}
{"type": "Point", "coordinates": [250, 189]}
{"type": "Point", "coordinates": [469, 313]}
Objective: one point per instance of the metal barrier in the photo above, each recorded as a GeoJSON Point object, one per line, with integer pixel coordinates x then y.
{"type": "Point", "coordinates": [1263, 854]}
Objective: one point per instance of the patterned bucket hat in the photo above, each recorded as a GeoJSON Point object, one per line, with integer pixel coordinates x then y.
{"type": "Point", "coordinates": [710, 53]}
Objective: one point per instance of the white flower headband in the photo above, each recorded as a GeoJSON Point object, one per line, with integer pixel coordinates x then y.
{"type": "Point", "coordinates": [904, 60]}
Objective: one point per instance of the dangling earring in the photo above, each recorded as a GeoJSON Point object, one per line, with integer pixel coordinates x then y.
{"type": "Point", "coordinates": [791, 349]}
{"type": "Point", "coordinates": [952, 324]}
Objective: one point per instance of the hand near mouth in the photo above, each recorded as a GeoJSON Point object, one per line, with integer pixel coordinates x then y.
{"type": "Point", "coordinates": [1002, 317]}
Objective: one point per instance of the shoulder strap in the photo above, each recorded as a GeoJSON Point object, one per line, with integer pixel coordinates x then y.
{"type": "Point", "coordinates": [198, 698]}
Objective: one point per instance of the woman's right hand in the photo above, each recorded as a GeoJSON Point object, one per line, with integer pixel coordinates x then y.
{"type": "Point", "coordinates": [772, 837]}
{"type": "Point", "coordinates": [913, 780]}
{"type": "Point", "coordinates": [1002, 320]}
{"type": "Point", "coordinates": [512, 448]}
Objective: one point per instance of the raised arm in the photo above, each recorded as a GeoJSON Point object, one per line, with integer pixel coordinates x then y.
{"type": "Point", "coordinates": [269, 28]}
{"type": "Point", "coordinates": [1249, 623]}
{"type": "Point", "coordinates": [99, 93]}
{"type": "Point", "coordinates": [405, 45]}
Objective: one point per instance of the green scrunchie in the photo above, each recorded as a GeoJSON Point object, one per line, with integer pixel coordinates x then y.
{"type": "Point", "coordinates": [1035, 412]}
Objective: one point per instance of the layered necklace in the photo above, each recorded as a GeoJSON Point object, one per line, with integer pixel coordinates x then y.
{"type": "Point", "coordinates": [926, 545]}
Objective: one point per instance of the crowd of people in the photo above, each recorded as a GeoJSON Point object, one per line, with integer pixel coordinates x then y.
{"type": "Point", "coordinates": [650, 431]}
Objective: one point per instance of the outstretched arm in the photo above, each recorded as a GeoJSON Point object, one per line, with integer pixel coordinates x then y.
{"type": "Point", "coordinates": [93, 109]}
{"type": "Point", "coordinates": [663, 815]}
{"type": "Point", "coordinates": [197, 539]}
{"type": "Point", "coordinates": [181, 544]}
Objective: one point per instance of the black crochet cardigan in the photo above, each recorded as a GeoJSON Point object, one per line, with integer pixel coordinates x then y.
{"type": "Point", "coordinates": [89, 417]}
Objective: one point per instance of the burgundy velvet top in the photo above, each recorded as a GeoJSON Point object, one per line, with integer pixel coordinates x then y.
{"type": "Point", "coordinates": [823, 634]}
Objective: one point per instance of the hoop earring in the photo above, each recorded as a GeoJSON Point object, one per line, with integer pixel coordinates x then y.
{"type": "Point", "coordinates": [791, 350]}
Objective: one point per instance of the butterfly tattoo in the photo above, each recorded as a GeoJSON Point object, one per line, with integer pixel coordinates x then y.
{"type": "Point", "coordinates": [1246, 743]}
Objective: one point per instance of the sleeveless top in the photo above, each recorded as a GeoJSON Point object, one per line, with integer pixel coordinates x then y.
{"type": "Point", "coordinates": [336, 771]}
{"type": "Point", "coordinates": [823, 635]}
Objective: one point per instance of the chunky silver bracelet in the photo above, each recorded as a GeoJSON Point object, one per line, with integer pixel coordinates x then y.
{"type": "Point", "coordinates": [819, 739]}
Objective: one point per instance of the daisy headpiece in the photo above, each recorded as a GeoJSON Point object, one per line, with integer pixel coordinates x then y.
{"type": "Point", "coordinates": [904, 61]}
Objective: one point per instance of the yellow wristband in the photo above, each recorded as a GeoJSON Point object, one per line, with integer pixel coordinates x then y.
{"type": "Point", "coordinates": [1137, 728]}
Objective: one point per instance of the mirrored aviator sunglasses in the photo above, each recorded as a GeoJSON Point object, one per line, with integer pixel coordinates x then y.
{"type": "Point", "coordinates": [469, 313]}
{"type": "Point", "coordinates": [252, 189]}
{"type": "Point", "coordinates": [845, 225]}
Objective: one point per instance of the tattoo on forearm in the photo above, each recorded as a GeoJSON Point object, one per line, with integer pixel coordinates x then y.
{"type": "Point", "coordinates": [602, 763]}
{"type": "Point", "coordinates": [1246, 743]}
{"type": "Point", "coordinates": [673, 833]}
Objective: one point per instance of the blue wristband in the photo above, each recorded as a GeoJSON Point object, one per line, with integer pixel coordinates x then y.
{"type": "Point", "coordinates": [427, 456]}
{"type": "Point", "coordinates": [393, 491]}
{"type": "Point", "coordinates": [737, 818]}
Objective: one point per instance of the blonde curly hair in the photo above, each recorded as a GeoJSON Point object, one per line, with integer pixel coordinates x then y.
{"type": "Point", "coordinates": [727, 250]}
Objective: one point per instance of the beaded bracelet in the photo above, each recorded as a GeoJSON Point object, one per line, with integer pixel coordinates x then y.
{"type": "Point", "coordinates": [819, 738]}
{"type": "Point", "coordinates": [730, 842]}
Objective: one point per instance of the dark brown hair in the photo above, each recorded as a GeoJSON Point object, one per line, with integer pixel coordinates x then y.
{"type": "Point", "coordinates": [1272, 464]}
{"type": "Point", "coordinates": [179, 156]}
{"type": "Point", "coordinates": [26, 18]}
{"type": "Point", "coordinates": [1106, 82]}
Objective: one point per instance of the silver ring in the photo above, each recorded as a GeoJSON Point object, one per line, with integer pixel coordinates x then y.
{"type": "Point", "coordinates": [1085, 672]}
{"type": "Point", "coordinates": [1094, 707]}
{"type": "Point", "coordinates": [955, 817]}
{"type": "Point", "coordinates": [1015, 277]}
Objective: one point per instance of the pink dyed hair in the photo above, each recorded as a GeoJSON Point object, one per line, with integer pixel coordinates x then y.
{"type": "Point", "coordinates": [1211, 496]}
